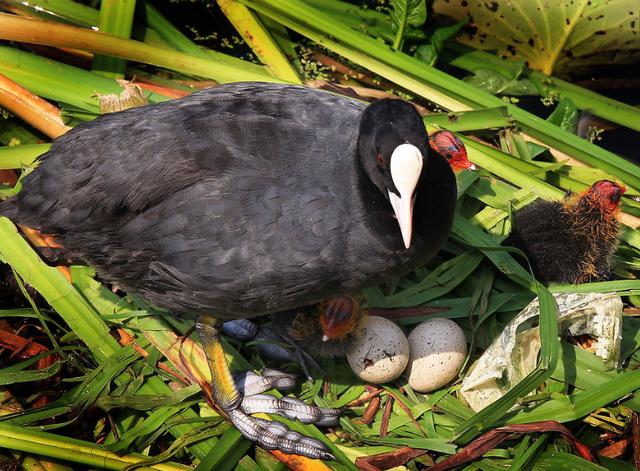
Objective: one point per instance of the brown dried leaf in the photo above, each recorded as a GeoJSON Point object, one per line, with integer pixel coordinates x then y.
{"type": "Point", "coordinates": [493, 438]}
{"type": "Point", "coordinates": [387, 460]}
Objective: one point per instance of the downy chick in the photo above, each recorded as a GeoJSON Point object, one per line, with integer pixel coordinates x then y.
{"type": "Point", "coordinates": [572, 240]}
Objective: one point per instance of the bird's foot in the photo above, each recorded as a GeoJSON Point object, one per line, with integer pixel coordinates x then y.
{"type": "Point", "coordinates": [275, 435]}
{"type": "Point", "coordinates": [240, 329]}
{"type": "Point", "coordinates": [296, 352]}
{"type": "Point", "coordinates": [226, 396]}
{"type": "Point", "coordinates": [252, 385]}
{"type": "Point", "coordinates": [273, 345]}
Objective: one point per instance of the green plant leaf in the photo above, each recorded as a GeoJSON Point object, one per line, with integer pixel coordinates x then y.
{"type": "Point", "coordinates": [146, 402]}
{"type": "Point", "coordinates": [559, 461]}
{"type": "Point", "coordinates": [20, 374]}
{"type": "Point", "coordinates": [428, 53]}
{"type": "Point", "coordinates": [412, 12]}
{"type": "Point", "coordinates": [469, 59]}
{"type": "Point", "coordinates": [85, 453]}
{"type": "Point", "coordinates": [22, 155]}
{"type": "Point", "coordinates": [565, 115]}
{"type": "Point", "coordinates": [495, 83]}
{"type": "Point", "coordinates": [556, 36]}
{"type": "Point", "coordinates": [407, 13]}
{"type": "Point", "coordinates": [467, 120]}
{"type": "Point", "coordinates": [116, 18]}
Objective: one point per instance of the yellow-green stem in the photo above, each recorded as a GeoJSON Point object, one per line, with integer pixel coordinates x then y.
{"type": "Point", "coordinates": [14, 28]}
{"type": "Point", "coordinates": [259, 39]}
{"type": "Point", "coordinates": [47, 444]}
{"type": "Point", "coordinates": [116, 19]}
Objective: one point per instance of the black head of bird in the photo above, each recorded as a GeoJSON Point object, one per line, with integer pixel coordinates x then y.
{"type": "Point", "coordinates": [392, 150]}
{"type": "Point", "coordinates": [243, 200]}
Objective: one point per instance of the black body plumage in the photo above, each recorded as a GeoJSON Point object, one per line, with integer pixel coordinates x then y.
{"type": "Point", "coordinates": [569, 241]}
{"type": "Point", "coordinates": [237, 200]}
{"type": "Point", "coordinates": [540, 231]}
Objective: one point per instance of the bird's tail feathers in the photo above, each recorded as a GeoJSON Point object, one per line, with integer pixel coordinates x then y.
{"type": "Point", "coordinates": [8, 208]}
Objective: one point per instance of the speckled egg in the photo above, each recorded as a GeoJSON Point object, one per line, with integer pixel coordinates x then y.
{"type": "Point", "coordinates": [437, 350]}
{"type": "Point", "coordinates": [381, 353]}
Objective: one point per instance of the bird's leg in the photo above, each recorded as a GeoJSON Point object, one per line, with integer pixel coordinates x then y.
{"type": "Point", "coordinates": [245, 330]}
{"type": "Point", "coordinates": [268, 434]}
{"type": "Point", "coordinates": [301, 356]}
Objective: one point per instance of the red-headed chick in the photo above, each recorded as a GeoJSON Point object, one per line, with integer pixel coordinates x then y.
{"type": "Point", "coordinates": [451, 148]}
{"type": "Point", "coordinates": [572, 240]}
{"type": "Point", "coordinates": [327, 329]}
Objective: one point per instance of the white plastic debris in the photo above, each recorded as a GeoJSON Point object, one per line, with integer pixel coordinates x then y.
{"type": "Point", "coordinates": [514, 354]}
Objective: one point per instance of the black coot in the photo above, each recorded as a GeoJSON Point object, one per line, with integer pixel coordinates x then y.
{"type": "Point", "coordinates": [241, 200]}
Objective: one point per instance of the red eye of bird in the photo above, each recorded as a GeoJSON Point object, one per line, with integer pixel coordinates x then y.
{"type": "Point", "coordinates": [380, 161]}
